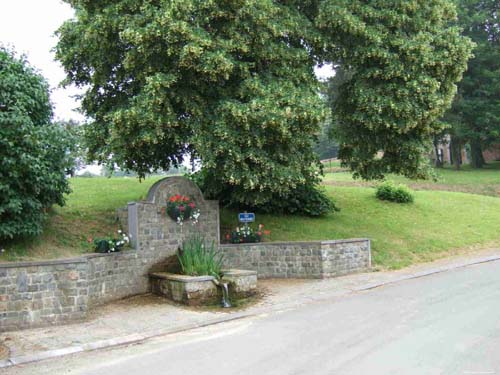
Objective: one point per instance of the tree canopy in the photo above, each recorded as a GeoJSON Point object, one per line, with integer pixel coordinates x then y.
{"type": "Point", "coordinates": [33, 157]}
{"type": "Point", "coordinates": [475, 115]}
{"type": "Point", "coordinates": [402, 60]}
{"type": "Point", "coordinates": [232, 82]}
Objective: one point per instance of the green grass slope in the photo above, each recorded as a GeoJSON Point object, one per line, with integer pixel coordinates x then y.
{"type": "Point", "coordinates": [89, 213]}
{"type": "Point", "coordinates": [485, 181]}
{"type": "Point", "coordinates": [435, 224]}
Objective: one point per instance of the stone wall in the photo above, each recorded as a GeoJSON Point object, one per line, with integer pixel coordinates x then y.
{"type": "Point", "coordinates": [318, 259]}
{"type": "Point", "coordinates": [151, 230]}
{"type": "Point", "coordinates": [40, 293]}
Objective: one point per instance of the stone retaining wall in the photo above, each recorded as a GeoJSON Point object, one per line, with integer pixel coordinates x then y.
{"type": "Point", "coordinates": [41, 293]}
{"type": "Point", "coordinates": [318, 259]}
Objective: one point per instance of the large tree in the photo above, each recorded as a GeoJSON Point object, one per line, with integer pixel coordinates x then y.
{"type": "Point", "coordinates": [475, 114]}
{"type": "Point", "coordinates": [402, 60]}
{"type": "Point", "coordinates": [232, 82]}
{"type": "Point", "coordinates": [33, 153]}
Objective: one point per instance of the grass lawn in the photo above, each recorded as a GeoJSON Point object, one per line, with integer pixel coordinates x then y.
{"type": "Point", "coordinates": [89, 212]}
{"type": "Point", "coordinates": [436, 224]}
{"type": "Point", "coordinates": [484, 181]}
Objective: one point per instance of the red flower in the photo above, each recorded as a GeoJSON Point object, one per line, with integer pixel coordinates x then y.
{"type": "Point", "coordinates": [172, 199]}
{"type": "Point", "coordinates": [181, 208]}
{"type": "Point", "coordinates": [185, 199]}
{"type": "Point", "coordinates": [192, 205]}
{"type": "Point", "coordinates": [267, 232]}
{"type": "Point", "coordinates": [228, 236]}
{"type": "Point", "coordinates": [259, 233]}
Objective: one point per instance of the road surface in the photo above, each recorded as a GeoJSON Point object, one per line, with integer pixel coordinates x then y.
{"type": "Point", "coordinates": [447, 323]}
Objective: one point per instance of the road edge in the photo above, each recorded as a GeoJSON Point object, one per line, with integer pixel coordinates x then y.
{"type": "Point", "coordinates": [137, 337]}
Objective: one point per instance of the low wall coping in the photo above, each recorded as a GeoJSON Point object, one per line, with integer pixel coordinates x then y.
{"type": "Point", "coordinates": [39, 263]}
{"type": "Point", "coordinates": [116, 253]}
{"type": "Point", "coordinates": [55, 262]}
{"type": "Point", "coordinates": [299, 243]}
{"type": "Point", "coordinates": [180, 278]}
{"type": "Point", "coordinates": [235, 272]}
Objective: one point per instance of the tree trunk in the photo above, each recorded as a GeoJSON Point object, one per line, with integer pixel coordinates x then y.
{"type": "Point", "coordinates": [476, 154]}
{"type": "Point", "coordinates": [439, 158]}
{"type": "Point", "coordinates": [456, 154]}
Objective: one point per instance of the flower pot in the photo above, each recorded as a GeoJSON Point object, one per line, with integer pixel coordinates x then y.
{"type": "Point", "coordinates": [184, 212]}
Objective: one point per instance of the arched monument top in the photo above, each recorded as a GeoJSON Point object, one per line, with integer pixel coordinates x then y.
{"type": "Point", "coordinates": [165, 188]}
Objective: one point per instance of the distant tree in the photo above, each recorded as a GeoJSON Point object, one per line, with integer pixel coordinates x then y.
{"type": "Point", "coordinates": [475, 114]}
{"type": "Point", "coordinates": [403, 60]}
{"type": "Point", "coordinates": [33, 152]}
{"type": "Point", "coordinates": [77, 150]}
{"type": "Point", "coordinates": [325, 147]}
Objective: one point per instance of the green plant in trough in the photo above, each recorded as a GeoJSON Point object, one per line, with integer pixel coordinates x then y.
{"type": "Point", "coordinates": [199, 259]}
{"type": "Point", "coordinates": [389, 191]}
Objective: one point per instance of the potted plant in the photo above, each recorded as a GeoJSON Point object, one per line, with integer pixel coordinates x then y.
{"type": "Point", "coordinates": [181, 208]}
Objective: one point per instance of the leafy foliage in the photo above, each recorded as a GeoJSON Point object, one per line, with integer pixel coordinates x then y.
{"type": "Point", "coordinates": [199, 259]}
{"type": "Point", "coordinates": [232, 83]}
{"type": "Point", "coordinates": [475, 115]}
{"type": "Point", "coordinates": [388, 191]}
{"type": "Point", "coordinates": [33, 153]}
{"type": "Point", "coordinates": [111, 245]}
{"type": "Point", "coordinates": [247, 234]}
{"type": "Point", "coordinates": [402, 60]}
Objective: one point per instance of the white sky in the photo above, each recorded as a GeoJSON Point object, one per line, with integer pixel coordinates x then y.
{"type": "Point", "coordinates": [29, 26]}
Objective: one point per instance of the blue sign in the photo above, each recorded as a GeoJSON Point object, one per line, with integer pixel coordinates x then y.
{"type": "Point", "coordinates": [246, 217]}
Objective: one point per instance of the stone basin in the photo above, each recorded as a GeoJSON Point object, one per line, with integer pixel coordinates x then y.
{"type": "Point", "coordinates": [202, 290]}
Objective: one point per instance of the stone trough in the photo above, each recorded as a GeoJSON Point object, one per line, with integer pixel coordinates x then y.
{"type": "Point", "coordinates": [202, 290]}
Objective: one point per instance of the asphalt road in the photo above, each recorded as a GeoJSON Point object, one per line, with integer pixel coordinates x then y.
{"type": "Point", "coordinates": [447, 323]}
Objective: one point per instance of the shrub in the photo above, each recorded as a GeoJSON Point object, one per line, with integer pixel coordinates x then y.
{"type": "Point", "coordinates": [33, 153]}
{"type": "Point", "coordinates": [111, 245]}
{"type": "Point", "coordinates": [199, 259]}
{"type": "Point", "coordinates": [306, 200]}
{"type": "Point", "coordinates": [388, 191]}
{"type": "Point", "coordinates": [246, 234]}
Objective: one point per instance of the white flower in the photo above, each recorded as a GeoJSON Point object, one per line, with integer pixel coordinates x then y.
{"type": "Point", "coordinates": [119, 231]}
{"type": "Point", "coordinates": [126, 239]}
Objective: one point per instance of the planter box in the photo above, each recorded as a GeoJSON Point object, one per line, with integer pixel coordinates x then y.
{"type": "Point", "coordinates": [202, 290]}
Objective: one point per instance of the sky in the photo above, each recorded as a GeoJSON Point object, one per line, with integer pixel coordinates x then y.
{"type": "Point", "coordinates": [29, 25]}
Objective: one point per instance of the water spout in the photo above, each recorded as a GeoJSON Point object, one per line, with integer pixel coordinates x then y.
{"type": "Point", "coordinates": [225, 295]}
{"type": "Point", "coordinates": [225, 292]}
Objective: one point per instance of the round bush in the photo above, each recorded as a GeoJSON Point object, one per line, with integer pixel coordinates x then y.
{"type": "Point", "coordinates": [388, 191]}
{"type": "Point", "coordinates": [33, 153]}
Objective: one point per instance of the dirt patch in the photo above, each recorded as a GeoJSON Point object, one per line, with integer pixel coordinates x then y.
{"type": "Point", "coordinates": [126, 304]}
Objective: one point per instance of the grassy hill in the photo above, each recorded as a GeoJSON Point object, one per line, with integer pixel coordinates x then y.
{"type": "Point", "coordinates": [484, 181]}
{"type": "Point", "coordinates": [438, 223]}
